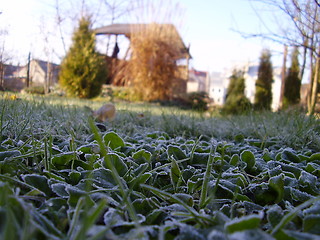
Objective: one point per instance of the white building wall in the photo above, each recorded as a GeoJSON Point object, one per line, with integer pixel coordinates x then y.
{"type": "Point", "coordinates": [250, 88]}
{"type": "Point", "coordinates": [197, 83]}
{"type": "Point", "coordinates": [217, 94]}
{"type": "Point", "coordinates": [37, 75]}
{"type": "Point", "coordinates": [276, 89]}
{"type": "Point", "coordinates": [192, 86]}
{"type": "Point", "coordinates": [219, 85]}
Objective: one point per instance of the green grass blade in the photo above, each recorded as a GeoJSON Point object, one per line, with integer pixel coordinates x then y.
{"type": "Point", "coordinates": [161, 193]}
{"type": "Point", "coordinates": [114, 172]}
{"type": "Point", "coordinates": [289, 216]}
{"type": "Point", "coordinates": [204, 189]}
{"type": "Point", "coordinates": [90, 217]}
{"type": "Point", "coordinates": [75, 219]}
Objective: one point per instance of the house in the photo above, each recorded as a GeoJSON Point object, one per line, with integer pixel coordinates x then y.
{"type": "Point", "coordinates": [251, 75]}
{"type": "Point", "coordinates": [41, 73]}
{"type": "Point", "coordinates": [198, 81]}
{"type": "Point", "coordinates": [218, 85]}
{"type": "Point", "coordinates": [9, 78]}
{"type": "Point", "coordinates": [219, 82]}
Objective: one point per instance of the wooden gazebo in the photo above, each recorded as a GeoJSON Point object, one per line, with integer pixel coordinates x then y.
{"type": "Point", "coordinates": [116, 66]}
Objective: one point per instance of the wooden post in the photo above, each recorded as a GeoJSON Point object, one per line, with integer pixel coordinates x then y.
{"type": "Point", "coordinates": [2, 69]}
{"type": "Point", "coordinates": [187, 65]}
{"type": "Point", "coordinates": [28, 70]}
{"type": "Point", "coordinates": [47, 79]}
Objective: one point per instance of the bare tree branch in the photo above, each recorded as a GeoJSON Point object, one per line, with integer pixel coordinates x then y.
{"type": "Point", "coordinates": [60, 20]}
{"type": "Point", "coordinates": [303, 30]}
{"type": "Point", "coordinates": [4, 56]}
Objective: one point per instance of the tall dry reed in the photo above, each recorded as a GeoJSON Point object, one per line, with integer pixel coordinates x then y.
{"type": "Point", "coordinates": [153, 65]}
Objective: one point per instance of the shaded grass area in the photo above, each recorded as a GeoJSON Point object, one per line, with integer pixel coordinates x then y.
{"type": "Point", "coordinates": [62, 118]}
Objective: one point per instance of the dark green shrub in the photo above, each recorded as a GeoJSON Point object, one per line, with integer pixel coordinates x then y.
{"type": "Point", "coordinates": [35, 90]}
{"type": "Point", "coordinates": [236, 101]}
{"type": "Point", "coordinates": [114, 93]}
{"type": "Point", "coordinates": [83, 70]}
{"type": "Point", "coordinates": [263, 95]}
{"type": "Point", "coordinates": [239, 104]}
{"type": "Point", "coordinates": [292, 82]}
{"type": "Point", "coordinates": [198, 101]}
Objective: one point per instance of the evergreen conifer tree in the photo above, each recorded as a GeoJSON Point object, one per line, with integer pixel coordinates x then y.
{"type": "Point", "coordinates": [83, 70]}
{"type": "Point", "coordinates": [292, 82]}
{"type": "Point", "coordinates": [236, 101]}
{"type": "Point", "coordinates": [263, 95]}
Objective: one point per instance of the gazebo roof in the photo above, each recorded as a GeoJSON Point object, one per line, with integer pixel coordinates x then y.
{"type": "Point", "coordinates": [128, 29]}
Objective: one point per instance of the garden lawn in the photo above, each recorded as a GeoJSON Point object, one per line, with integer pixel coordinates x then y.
{"type": "Point", "coordinates": [155, 173]}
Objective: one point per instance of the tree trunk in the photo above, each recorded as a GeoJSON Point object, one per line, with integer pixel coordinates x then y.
{"type": "Point", "coordinates": [48, 77]}
{"type": "Point", "coordinates": [28, 71]}
{"type": "Point", "coordinates": [1, 76]}
{"type": "Point", "coordinates": [304, 59]}
{"type": "Point", "coordinates": [314, 89]}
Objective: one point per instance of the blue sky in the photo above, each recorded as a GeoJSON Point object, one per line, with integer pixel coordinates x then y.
{"type": "Point", "coordinates": [211, 32]}
{"type": "Point", "coordinates": [207, 26]}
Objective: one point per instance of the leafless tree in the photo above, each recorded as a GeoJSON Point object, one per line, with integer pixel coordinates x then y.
{"type": "Point", "coordinates": [116, 9]}
{"type": "Point", "coordinates": [59, 22]}
{"type": "Point", "coordinates": [101, 12]}
{"type": "Point", "coordinates": [48, 50]}
{"type": "Point", "coordinates": [299, 25]}
{"type": "Point", "coordinates": [4, 56]}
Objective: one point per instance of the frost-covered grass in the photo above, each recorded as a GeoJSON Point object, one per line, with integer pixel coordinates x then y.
{"type": "Point", "coordinates": [155, 173]}
{"type": "Point", "coordinates": [65, 115]}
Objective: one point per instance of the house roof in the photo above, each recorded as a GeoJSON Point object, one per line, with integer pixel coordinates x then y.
{"type": "Point", "coordinates": [198, 73]}
{"type": "Point", "coordinates": [44, 65]}
{"type": "Point", "coordinates": [128, 29]}
{"type": "Point", "coordinates": [118, 29]}
{"type": "Point", "coordinates": [9, 70]}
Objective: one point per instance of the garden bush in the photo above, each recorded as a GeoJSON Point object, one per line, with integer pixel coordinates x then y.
{"type": "Point", "coordinates": [35, 90]}
{"type": "Point", "coordinates": [83, 70]}
{"type": "Point", "coordinates": [198, 101]}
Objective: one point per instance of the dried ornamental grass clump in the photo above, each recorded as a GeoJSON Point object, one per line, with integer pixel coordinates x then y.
{"type": "Point", "coordinates": [153, 65]}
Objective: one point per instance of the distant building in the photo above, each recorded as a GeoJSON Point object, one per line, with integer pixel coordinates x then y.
{"type": "Point", "coordinates": [14, 78]}
{"type": "Point", "coordinates": [218, 87]}
{"type": "Point", "coordinates": [219, 84]}
{"type": "Point", "coordinates": [41, 72]}
{"type": "Point", "coordinates": [9, 78]}
{"type": "Point", "coordinates": [198, 81]}
{"type": "Point", "coordinates": [251, 75]}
